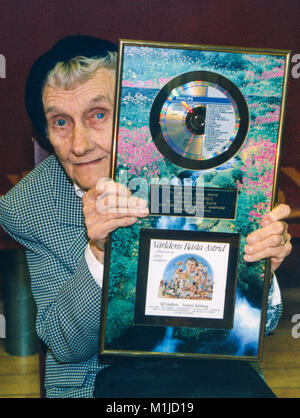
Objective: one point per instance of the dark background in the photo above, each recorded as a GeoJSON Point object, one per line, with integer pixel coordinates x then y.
{"type": "Point", "coordinates": [30, 27]}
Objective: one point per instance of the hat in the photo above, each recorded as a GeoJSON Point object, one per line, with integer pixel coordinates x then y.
{"type": "Point", "coordinates": [64, 50]}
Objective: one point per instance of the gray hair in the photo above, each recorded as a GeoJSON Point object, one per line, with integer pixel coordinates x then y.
{"type": "Point", "coordinates": [68, 75]}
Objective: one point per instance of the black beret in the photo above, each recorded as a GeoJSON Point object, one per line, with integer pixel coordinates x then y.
{"type": "Point", "coordinates": [62, 51]}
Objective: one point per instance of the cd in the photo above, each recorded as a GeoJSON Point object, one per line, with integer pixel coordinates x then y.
{"type": "Point", "coordinates": [199, 120]}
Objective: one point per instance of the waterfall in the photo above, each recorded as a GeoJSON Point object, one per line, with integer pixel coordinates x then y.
{"type": "Point", "coordinates": [245, 333]}
{"type": "Point", "coordinates": [168, 344]}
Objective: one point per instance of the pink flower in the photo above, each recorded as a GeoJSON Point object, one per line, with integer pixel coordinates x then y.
{"type": "Point", "coordinates": [258, 157]}
{"type": "Point", "coordinates": [137, 151]}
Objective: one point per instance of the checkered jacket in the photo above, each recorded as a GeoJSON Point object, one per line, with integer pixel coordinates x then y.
{"type": "Point", "coordinates": [44, 214]}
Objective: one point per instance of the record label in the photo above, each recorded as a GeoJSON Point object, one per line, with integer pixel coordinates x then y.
{"type": "Point", "coordinates": [199, 120]}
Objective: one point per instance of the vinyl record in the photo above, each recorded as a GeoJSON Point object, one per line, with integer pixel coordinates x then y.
{"type": "Point", "coordinates": [199, 120]}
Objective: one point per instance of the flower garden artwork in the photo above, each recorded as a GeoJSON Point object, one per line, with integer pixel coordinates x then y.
{"type": "Point", "coordinates": [251, 172]}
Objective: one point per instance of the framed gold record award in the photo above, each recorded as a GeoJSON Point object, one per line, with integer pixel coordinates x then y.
{"type": "Point", "coordinates": [197, 134]}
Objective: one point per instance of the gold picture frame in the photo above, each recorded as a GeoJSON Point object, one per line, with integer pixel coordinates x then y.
{"type": "Point", "coordinates": [208, 118]}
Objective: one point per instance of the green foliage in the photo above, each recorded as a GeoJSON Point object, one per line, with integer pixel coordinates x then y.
{"type": "Point", "coordinates": [223, 179]}
{"type": "Point", "coordinates": [124, 251]}
{"type": "Point", "coordinates": [208, 177]}
{"type": "Point", "coordinates": [220, 60]}
{"type": "Point", "coordinates": [237, 174]}
{"type": "Point", "coordinates": [119, 319]}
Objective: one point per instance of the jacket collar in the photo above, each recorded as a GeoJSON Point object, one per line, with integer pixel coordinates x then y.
{"type": "Point", "coordinates": [68, 205]}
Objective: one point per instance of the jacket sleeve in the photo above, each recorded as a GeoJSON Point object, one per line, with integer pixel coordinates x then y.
{"type": "Point", "coordinates": [69, 320]}
{"type": "Point", "coordinates": [68, 298]}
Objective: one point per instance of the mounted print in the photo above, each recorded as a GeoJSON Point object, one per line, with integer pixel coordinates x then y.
{"type": "Point", "coordinates": [197, 134]}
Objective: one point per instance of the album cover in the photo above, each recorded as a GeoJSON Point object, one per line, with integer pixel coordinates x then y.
{"type": "Point", "coordinates": [188, 281]}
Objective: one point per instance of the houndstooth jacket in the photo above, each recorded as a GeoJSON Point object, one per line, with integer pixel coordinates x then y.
{"type": "Point", "coordinates": [44, 214]}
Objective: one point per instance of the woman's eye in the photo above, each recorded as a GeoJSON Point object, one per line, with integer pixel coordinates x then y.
{"type": "Point", "coordinates": [99, 115]}
{"type": "Point", "coordinates": [61, 123]}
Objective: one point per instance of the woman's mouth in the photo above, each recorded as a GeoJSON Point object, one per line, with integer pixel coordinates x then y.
{"type": "Point", "coordinates": [89, 163]}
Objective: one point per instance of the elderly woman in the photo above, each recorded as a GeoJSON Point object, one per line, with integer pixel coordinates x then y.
{"type": "Point", "coordinates": [52, 211]}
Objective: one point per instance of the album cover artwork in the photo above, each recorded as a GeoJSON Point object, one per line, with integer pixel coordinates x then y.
{"type": "Point", "coordinates": [188, 281]}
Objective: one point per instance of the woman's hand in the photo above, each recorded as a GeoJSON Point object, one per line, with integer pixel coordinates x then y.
{"type": "Point", "coordinates": [107, 207]}
{"type": "Point", "coordinates": [271, 240]}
